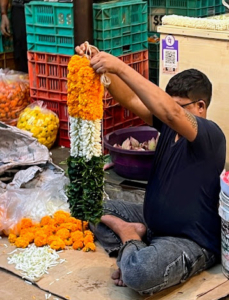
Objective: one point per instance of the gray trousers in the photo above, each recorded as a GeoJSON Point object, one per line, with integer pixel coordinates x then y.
{"type": "Point", "coordinates": [155, 263]}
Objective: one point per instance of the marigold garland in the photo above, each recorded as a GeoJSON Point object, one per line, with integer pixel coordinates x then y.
{"type": "Point", "coordinates": [85, 91]}
{"type": "Point", "coordinates": [58, 232]}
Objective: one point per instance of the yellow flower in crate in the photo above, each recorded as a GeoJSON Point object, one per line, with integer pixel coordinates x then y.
{"type": "Point", "coordinates": [41, 122]}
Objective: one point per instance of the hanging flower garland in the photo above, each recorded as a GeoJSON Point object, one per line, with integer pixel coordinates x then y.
{"type": "Point", "coordinates": [85, 164]}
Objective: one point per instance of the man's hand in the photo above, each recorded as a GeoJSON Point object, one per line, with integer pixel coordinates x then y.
{"type": "Point", "coordinates": [107, 63]}
{"type": "Point", "coordinates": [5, 25]}
{"type": "Point", "coordinates": [84, 49]}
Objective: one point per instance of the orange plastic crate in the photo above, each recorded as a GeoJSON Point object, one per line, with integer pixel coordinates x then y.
{"type": "Point", "coordinates": [48, 82]}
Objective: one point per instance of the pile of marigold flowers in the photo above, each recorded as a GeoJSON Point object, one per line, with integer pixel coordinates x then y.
{"type": "Point", "coordinates": [58, 232]}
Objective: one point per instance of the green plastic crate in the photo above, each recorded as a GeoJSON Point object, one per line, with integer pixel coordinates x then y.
{"type": "Point", "coordinates": [50, 27]}
{"type": "Point", "coordinates": [120, 27]}
{"type": "Point", "coordinates": [154, 51]}
{"type": "Point", "coordinates": [112, 15]}
{"type": "Point", "coordinates": [157, 3]}
{"type": "Point", "coordinates": [189, 3]}
{"type": "Point", "coordinates": [50, 43]}
{"type": "Point", "coordinates": [39, 13]}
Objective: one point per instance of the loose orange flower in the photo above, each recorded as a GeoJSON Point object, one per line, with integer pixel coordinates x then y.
{"type": "Point", "coordinates": [77, 236]}
{"type": "Point", "coordinates": [12, 238]}
{"type": "Point", "coordinates": [60, 217]}
{"type": "Point", "coordinates": [51, 238]}
{"type": "Point", "coordinates": [89, 247]}
{"type": "Point", "coordinates": [57, 244]}
{"type": "Point", "coordinates": [26, 223]}
{"type": "Point", "coordinates": [88, 239]}
{"type": "Point", "coordinates": [21, 242]}
{"type": "Point", "coordinates": [77, 245]}
{"type": "Point", "coordinates": [70, 226]}
{"type": "Point", "coordinates": [63, 233]}
{"type": "Point", "coordinates": [88, 232]}
{"type": "Point", "coordinates": [41, 239]}
{"type": "Point", "coordinates": [28, 236]}
{"type": "Point", "coordinates": [68, 242]}
{"type": "Point", "coordinates": [47, 220]}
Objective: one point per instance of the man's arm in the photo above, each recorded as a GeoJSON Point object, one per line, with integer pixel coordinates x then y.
{"type": "Point", "coordinates": [5, 24]}
{"type": "Point", "coordinates": [154, 99]}
{"type": "Point", "coordinates": [121, 92]}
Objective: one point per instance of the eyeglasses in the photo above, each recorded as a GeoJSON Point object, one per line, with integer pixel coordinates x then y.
{"type": "Point", "coordinates": [183, 105]}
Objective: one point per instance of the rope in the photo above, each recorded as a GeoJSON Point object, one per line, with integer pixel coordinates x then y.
{"type": "Point", "coordinates": [105, 80]}
{"type": "Point", "coordinates": [225, 4]}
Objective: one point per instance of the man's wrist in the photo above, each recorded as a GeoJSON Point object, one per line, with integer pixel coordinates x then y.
{"type": "Point", "coordinates": [3, 13]}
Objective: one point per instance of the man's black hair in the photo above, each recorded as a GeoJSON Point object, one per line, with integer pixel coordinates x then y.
{"type": "Point", "coordinates": [191, 84]}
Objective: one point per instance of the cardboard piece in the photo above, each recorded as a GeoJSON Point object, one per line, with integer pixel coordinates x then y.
{"type": "Point", "coordinates": [195, 288]}
{"type": "Point", "coordinates": [83, 276]}
{"type": "Point", "coordinates": [87, 275]}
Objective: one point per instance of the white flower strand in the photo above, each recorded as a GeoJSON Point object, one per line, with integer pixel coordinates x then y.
{"type": "Point", "coordinates": [212, 23]}
{"type": "Point", "coordinates": [35, 261]}
{"type": "Point", "coordinates": [85, 138]}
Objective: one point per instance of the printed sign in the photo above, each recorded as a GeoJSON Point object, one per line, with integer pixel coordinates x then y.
{"type": "Point", "coordinates": [170, 55]}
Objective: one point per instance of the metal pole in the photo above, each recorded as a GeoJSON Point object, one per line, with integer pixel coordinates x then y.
{"type": "Point", "coordinates": [83, 21]}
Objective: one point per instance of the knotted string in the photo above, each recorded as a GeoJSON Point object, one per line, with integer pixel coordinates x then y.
{"type": "Point", "coordinates": [104, 79]}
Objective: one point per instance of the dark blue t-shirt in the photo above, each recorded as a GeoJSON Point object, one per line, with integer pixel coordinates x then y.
{"type": "Point", "coordinates": [182, 195]}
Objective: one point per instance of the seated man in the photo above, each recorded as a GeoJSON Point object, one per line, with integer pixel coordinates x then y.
{"type": "Point", "coordinates": [176, 232]}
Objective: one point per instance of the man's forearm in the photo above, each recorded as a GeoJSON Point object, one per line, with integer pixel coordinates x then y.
{"type": "Point", "coordinates": [4, 6]}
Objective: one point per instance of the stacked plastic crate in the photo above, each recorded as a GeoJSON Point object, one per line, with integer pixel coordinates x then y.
{"type": "Point", "coordinates": [121, 28]}
{"type": "Point", "coordinates": [6, 49]}
{"type": "Point", "coordinates": [158, 8]}
{"type": "Point", "coordinates": [50, 41]}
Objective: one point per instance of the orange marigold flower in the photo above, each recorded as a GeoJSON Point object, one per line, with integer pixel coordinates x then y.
{"type": "Point", "coordinates": [70, 226]}
{"type": "Point", "coordinates": [41, 240]}
{"type": "Point", "coordinates": [77, 236]}
{"type": "Point", "coordinates": [57, 244]}
{"type": "Point", "coordinates": [28, 236]}
{"type": "Point", "coordinates": [26, 223]}
{"type": "Point", "coordinates": [68, 242]}
{"type": "Point", "coordinates": [77, 245]}
{"type": "Point", "coordinates": [63, 233]}
{"type": "Point", "coordinates": [72, 220]}
{"type": "Point", "coordinates": [89, 247]}
{"type": "Point", "coordinates": [88, 239]}
{"type": "Point", "coordinates": [12, 238]}
{"type": "Point", "coordinates": [21, 242]}
{"type": "Point", "coordinates": [47, 220]}
{"type": "Point", "coordinates": [49, 229]}
{"type": "Point", "coordinates": [60, 217]}
{"type": "Point", "coordinates": [88, 232]}
{"type": "Point", "coordinates": [51, 238]}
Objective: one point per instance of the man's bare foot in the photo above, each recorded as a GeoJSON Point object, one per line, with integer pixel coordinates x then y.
{"type": "Point", "coordinates": [117, 277]}
{"type": "Point", "coordinates": [125, 230]}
